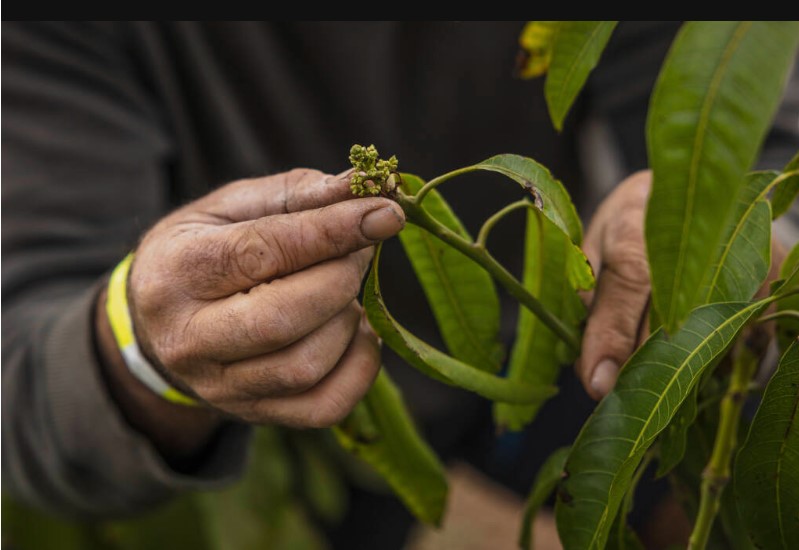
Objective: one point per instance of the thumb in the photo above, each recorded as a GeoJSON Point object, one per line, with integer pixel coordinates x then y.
{"type": "Point", "coordinates": [240, 255]}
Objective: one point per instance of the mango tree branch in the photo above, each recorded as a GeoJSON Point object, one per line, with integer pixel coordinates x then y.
{"type": "Point", "coordinates": [482, 236]}
{"type": "Point", "coordinates": [419, 216]}
{"type": "Point", "coordinates": [717, 472]}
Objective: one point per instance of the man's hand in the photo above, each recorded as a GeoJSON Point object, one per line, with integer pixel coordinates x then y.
{"type": "Point", "coordinates": [618, 314]}
{"type": "Point", "coordinates": [246, 298]}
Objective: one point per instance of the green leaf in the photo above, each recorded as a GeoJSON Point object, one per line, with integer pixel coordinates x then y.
{"type": "Point", "coordinates": [744, 255]}
{"type": "Point", "coordinates": [548, 193]}
{"type": "Point", "coordinates": [788, 328]}
{"type": "Point", "coordinates": [789, 271]}
{"type": "Point", "coordinates": [436, 364]}
{"type": "Point", "coordinates": [551, 198]}
{"type": "Point", "coordinates": [460, 293]}
{"type": "Point", "coordinates": [320, 480]}
{"type": "Point", "coordinates": [710, 110]}
{"type": "Point", "coordinates": [537, 356]}
{"type": "Point", "coordinates": [785, 193]}
{"type": "Point", "coordinates": [26, 528]}
{"type": "Point", "coordinates": [575, 52]}
{"type": "Point", "coordinates": [545, 482]}
{"type": "Point", "coordinates": [260, 511]}
{"type": "Point", "coordinates": [382, 433]}
{"type": "Point", "coordinates": [767, 469]}
{"type": "Point", "coordinates": [651, 387]}
{"type": "Point", "coordinates": [536, 42]}
{"type": "Point", "coordinates": [622, 537]}
{"type": "Point", "coordinates": [674, 437]}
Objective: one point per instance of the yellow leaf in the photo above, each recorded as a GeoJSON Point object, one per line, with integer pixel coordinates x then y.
{"type": "Point", "coordinates": [536, 43]}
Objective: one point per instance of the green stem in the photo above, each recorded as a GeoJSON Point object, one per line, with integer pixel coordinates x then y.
{"type": "Point", "coordinates": [435, 182]}
{"type": "Point", "coordinates": [789, 313]}
{"type": "Point", "coordinates": [717, 472]}
{"type": "Point", "coordinates": [419, 216]}
{"type": "Point", "coordinates": [776, 181]}
{"type": "Point", "coordinates": [482, 236]}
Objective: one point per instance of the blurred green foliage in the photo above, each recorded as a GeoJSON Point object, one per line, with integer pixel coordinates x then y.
{"type": "Point", "coordinates": [292, 478]}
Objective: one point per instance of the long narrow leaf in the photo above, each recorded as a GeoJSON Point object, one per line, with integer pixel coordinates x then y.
{"type": "Point", "coordinates": [460, 293]}
{"type": "Point", "coordinates": [537, 354]}
{"type": "Point", "coordinates": [545, 482]}
{"type": "Point", "coordinates": [575, 53]}
{"type": "Point", "coordinates": [767, 469]}
{"type": "Point", "coordinates": [710, 110]}
{"type": "Point", "coordinates": [788, 327]}
{"type": "Point", "coordinates": [674, 438]}
{"type": "Point", "coordinates": [744, 256]}
{"type": "Point", "coordinates": [537, 180]}
{"type": "Point", "coordinates": [651, 387]}
{"type": "Point", "coordinates": [381, 432]}
{"type": "Point", "coordinates": [436, 364]}
{"type": "Point", "coordinates": [536, 40]}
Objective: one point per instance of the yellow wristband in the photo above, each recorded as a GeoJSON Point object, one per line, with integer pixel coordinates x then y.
{"type": "Point", "coordinates": [119, 315]}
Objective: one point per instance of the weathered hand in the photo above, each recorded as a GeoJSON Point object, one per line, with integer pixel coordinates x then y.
{"type": "Point", "coordinates": [246, 297]}
{"type": "Point", "coordinates": [618, 314]}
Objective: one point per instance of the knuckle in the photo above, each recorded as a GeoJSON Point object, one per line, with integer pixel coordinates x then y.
{"type": "Point", "coordinates": [174, 352]}
{"type": "Point", "coordinates": [292, 183]}
{"type": "Point", "coordinates": [262, 331]}
{"type": "Point", "coordinates": [632, 271]}
{"type": "Point", "coordinates": [149, 292]}
{"type": "Point", "coordinates": [627, 229]}
{"type": "Point", "coordinates": [255, 255]}
{"type": "Point", "coordinates": [303, 375]}
{"type": "Point", "coordinates": [626, 258]}
{"type": "Point", "coordinates": [269, 326]}
{"type": "Point", "coordinates": [614, 339]}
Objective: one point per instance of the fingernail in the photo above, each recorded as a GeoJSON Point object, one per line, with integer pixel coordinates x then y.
{"type": "Point", "coordinates": [382, 223]}
{"type": "Point", "coordinates": [604, 377]}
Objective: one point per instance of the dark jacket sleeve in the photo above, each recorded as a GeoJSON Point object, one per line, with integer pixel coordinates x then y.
{"type": "Point", "coordinates": [85, 169]}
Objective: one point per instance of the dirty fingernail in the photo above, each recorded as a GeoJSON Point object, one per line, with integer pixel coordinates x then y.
{"type": "Point", "coordinates": [382, 223]}
{"type": "Point", "coordinates": [604, 377]}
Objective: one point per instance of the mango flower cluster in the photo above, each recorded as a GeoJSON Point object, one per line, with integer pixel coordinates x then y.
{"type": "Point", "coordinates": [372, 176]}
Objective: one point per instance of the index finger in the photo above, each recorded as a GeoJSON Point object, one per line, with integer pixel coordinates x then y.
{"type": "Point", "coordinates": [292, 191]}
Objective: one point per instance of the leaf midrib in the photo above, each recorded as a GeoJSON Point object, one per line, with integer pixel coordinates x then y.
{"type": "Point", "coordinates": [573, 66]}
{"type": "Point", "coordinates": [705, 342]}
{"type": "Point", "coordinates": [738, 228]}
{"type": "Point", "coordinates": [676, 372]}
{"type": "Point", "coordinates": [699, 140]}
